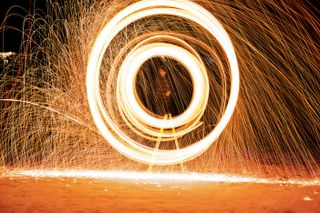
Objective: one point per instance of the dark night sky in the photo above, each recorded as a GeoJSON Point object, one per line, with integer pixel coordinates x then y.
{"type": "Point", "coordinates": [11, 39]}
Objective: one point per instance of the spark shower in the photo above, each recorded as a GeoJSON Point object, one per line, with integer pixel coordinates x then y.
{"type": "Point", "coordinates": [148, 48]}
{"type": "Point", "coordinates": [83, 67]}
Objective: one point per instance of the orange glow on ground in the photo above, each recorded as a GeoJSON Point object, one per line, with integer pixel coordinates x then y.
{"type": "Point", "coordinates": [152, 177]}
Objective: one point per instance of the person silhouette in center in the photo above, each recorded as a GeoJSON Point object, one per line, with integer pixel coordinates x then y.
{"type": "Point", "coordinates": [164, 93]}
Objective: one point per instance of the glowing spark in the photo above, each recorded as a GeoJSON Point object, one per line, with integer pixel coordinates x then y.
{"type": "Point", "coordinates": [129, 106]}
{"type": "Point", "coordinates": [158, 177]}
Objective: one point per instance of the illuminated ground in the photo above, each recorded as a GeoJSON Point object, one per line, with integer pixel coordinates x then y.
{"type": "Point", "coordinates": [88, 191]}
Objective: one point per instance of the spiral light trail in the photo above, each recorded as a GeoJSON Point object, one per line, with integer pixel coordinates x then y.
{"type": "Point", "coordinates": [130, 107]}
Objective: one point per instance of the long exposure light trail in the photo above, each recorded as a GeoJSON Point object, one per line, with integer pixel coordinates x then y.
{"type": "Point", "coordinates": [151, 129]}
{"type": "Point", "coordinates": [46, 120]}
{"type": "Point", "coordinates": [127, 99]}
{"type": "Point", "coordinates": [195, 67]}
{"type": "Point", "coordinates": [151, 177]}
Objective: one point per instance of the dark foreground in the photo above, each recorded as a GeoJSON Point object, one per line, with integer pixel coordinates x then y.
{"type": "Point", "coordinates": [29, 194]}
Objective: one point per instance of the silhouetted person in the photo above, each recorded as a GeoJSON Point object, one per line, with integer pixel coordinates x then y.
{"type": "Point", "coordinates": [164, 103]}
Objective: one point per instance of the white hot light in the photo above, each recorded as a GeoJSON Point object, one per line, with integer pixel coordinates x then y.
{"type": "Point", "coordinates": [127, 101]}
{"type": "Point", "coordinates": [150, 177]}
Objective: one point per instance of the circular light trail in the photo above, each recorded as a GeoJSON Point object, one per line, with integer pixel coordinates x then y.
{"type": "Point", "coordinates": [131, 109]}
{"type": "Point", "coordinates": [129, 70]}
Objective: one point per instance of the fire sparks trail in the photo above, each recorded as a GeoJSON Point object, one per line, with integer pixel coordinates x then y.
{"type": "Point", "coordinates": [127, 99]}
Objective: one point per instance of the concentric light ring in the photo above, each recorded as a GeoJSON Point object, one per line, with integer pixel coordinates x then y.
{"type": "Point", "coordinates": [146, 8]}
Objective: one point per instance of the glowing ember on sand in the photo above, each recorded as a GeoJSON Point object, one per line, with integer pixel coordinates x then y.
{"type": "Point", "coordinates": [158, 177]}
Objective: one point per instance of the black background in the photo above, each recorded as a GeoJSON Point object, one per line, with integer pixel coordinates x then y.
{"type": "Point", "coordinates": [10, 39]}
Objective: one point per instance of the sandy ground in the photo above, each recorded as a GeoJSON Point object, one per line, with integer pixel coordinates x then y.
{"type": "Point", "coordinates": [29, 194]}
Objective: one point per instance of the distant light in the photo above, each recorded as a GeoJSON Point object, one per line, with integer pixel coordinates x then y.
{"type": "Point", "coordinates": [4, 55]}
